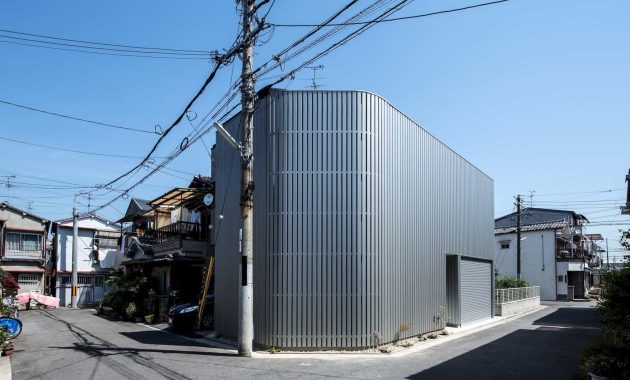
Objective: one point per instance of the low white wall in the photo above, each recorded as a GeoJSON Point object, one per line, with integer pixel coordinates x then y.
{"type": "Point", "coordinates": [517, 307]}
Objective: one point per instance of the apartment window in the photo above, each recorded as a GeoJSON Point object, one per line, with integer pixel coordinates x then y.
{"type": "Point", "coordinates": [505, 244]}
{"type": "Point", "coordinates": [65, 280]}
{"type": "Point", "coordinates": [84, 280]}
{"type": "Point", "coordinates": [16, 241]}
{"type": "Point", "coordinates": [560, 278]}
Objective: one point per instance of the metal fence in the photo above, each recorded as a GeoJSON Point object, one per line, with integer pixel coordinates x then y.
{"type": "Point", "coordinates": [515, 294]}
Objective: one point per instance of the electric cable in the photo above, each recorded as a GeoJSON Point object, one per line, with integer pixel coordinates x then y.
{"type": "Point", "coordinates": [76, 118]}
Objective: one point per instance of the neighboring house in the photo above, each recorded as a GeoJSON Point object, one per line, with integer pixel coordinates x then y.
{"type": "Point", "coordinates": [168, 239]}
{"type": "Point", "coordinates": [556, 253]}
{"type": "Point", "coordinates": [23, 251]}
{"type": "Point", "coordinates": [97, 255]}
{"type": "Point", "coordinates": [367, 228]}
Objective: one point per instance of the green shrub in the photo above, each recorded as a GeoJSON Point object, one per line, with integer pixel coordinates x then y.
{"type": "Point", "coordinates": [510, 282]}
{"type": "Point", "coordinates": [131, 310]}
{"type": "Point", "coordinates": [610, 355]}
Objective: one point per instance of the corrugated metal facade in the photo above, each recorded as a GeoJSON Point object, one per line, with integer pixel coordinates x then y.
{"type": "Point", "coordinates": [356, 207]}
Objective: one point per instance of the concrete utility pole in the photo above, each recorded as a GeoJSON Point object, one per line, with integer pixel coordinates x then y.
{"type": "Point", "coordinates": [518, 236]}
{"type": "Point", "coordinates": [607, 258]}
{"type": "Point", "coordinates": [74, 295]}
{"type": "Point", "coordinates": [246, 316]}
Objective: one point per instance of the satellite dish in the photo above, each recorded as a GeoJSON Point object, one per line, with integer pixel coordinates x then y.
{"type": "Point", "coordinates": [208, 199]}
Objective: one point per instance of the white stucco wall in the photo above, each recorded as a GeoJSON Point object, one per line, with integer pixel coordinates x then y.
{"type": "Point", "coordinates": [537, 260]}
{"type": "Point", "coordinates": [108, 257]}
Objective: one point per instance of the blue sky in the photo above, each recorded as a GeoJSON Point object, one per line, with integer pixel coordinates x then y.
{"type": "Point", "coordinates": [534, 93]}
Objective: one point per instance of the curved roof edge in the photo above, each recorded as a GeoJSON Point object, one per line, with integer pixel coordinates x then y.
{"type": "Point", "coordinates": [391, 105]}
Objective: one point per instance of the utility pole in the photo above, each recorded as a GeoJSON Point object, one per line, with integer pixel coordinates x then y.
{"type": "Point", "coordinates": [75, 247]}
{"type": "Point", "coordinates": [518, 236]}
{"type": "Point", "coordinates": [246, 315]}
{"type": "Point", "coordinates": [607, 258]}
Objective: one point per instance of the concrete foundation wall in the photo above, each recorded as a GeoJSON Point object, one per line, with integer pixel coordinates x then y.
{"type": "Point", "coordinates": [517, 307]}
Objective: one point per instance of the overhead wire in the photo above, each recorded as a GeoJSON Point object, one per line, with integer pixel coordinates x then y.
{"type": "Point", "coordinates": [400, 18]}
{"type": "Point", "coordinates": [100, 52]}
{"type": "Point", "coordinates": [102, 43]}
{"type": "Point", "coordinates": [77, 118]}
{"type": "Point", "coordinates": [68, 150]}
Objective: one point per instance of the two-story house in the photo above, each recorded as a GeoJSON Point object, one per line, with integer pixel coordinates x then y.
{"type": "Point", "coordinates": [97, 255]}
{"type": "Point", "coordinates": [23, 247]}
{"type": "Point", "coordinates": [168, 239]}
{"type": "Point", "coordinates": [556, 252]}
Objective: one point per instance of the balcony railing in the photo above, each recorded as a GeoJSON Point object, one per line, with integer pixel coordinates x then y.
{"type": "Point", "coordinates": [22, 255]}
{"type": "Point", "coordinates": [577, 253]}
{"type": "Point", "coordinates": [181, 231]}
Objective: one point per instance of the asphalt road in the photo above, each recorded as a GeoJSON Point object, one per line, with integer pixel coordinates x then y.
{"type": "Point", "coordinates": [76, 344]}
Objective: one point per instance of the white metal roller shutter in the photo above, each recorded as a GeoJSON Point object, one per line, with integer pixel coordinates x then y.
{"type": "Point", "coordinates": [476, 290]}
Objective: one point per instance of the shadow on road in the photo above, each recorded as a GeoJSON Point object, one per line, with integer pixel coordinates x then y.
{"type": "Point", "coordinates": [571, 317]}
{"type": "Point", "coordinates": [552, 351]}
{"type": "Point", "coordinates": [159, 338]}
{"type": "Point", "coordinates": [104, 350]}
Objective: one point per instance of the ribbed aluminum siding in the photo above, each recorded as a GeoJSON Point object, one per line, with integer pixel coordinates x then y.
{"type": "Point", "coordinates": [476, 290]}
{"type": "Point", "coordinates": [355, 209]}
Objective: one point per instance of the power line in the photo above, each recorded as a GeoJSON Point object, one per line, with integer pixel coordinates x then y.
{"type": "Point", "coordinates": [396, 18]}
{"type": "Point", "coordinates": [582, 192]}
{"type": "Point", "coordinates": [68, 150]}
{"type": "Point", "coordinates": [102, 53]}
{"type": "Point", "coordinates": [103, 43]}
{"type": "Point", "coordinates": [90, 48]}
{"type": "Point", "coordinates": [77, 118]}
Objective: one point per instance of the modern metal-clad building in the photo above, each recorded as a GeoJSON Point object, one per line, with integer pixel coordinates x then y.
{"type": "Point", "coordinates": [356, 209]}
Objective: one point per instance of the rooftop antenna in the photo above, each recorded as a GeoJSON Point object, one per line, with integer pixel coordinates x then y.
{"type": "Point", "coordinates": [531, 198]}
{"type": "Point", "coordinates": [8, 185]}
{"type": "Point", "coordinates": [314, 84]}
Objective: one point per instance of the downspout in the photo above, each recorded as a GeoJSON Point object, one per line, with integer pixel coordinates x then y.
{"type": "Point", "coordinates": [555, 261]}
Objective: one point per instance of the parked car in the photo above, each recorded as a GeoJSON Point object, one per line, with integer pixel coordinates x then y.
{"type": "Point", "coordinates": [183, 316]}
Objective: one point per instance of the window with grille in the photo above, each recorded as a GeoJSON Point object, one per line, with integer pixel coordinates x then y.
{"type": "Point", "coordinates": [65, 280]}
{"type": "Point", "coordinates": [29, 279]}
{"type": "Point", "coordinates": [85, 280]}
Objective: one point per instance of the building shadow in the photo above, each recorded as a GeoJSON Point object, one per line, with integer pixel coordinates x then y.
{"type": "Point", "coordinates": [543, 353]}
{"type": "Point", "coordinates": [571, 317]}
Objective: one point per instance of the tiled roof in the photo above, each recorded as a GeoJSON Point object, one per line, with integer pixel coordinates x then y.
{"type": "Point", "coordinates": [531, 227]}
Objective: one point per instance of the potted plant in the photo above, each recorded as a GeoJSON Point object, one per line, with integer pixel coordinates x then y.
{"type": "Point", "coordinates": [5, 342]}
{"type": "Point", "coordinates": [149, 318]}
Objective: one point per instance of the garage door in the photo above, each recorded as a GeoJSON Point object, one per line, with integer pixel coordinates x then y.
{"type": "Point", "coordinates": [476, 290]}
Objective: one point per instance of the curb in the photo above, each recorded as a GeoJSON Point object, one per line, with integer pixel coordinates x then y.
{"type": "Point", "coordinates": [5, 368]}
{"type": "Point", "coordinates": [418, 347]}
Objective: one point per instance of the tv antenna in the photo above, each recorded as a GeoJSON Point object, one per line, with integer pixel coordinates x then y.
{"type": "Point", "coordinates": [8, 185]}
{"type": "Point", "coordinates": [314, 84]}
{"type": "Point", "coordinates": [531, 198]}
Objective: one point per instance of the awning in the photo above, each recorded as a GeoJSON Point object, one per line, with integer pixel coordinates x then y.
{"type": "Point", "coordinates": [22, 269]}
{"type": "Point", "coordinates": [176, 197]}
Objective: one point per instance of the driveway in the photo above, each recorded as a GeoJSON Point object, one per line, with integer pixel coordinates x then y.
{"type": "Point", "coordinates": [76, 344]}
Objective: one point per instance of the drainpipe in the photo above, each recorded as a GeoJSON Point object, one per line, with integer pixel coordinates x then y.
{"type": "Point", "coordinates": [555, 262]}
